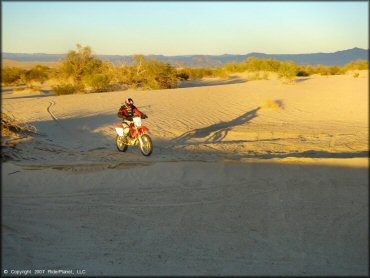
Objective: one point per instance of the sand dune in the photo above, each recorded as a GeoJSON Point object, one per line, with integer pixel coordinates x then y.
{"type": "Point", "coordinates": [246, 178]}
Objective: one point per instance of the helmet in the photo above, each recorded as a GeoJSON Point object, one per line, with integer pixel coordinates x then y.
{"type": "Point", "coordinates": [129, 102]}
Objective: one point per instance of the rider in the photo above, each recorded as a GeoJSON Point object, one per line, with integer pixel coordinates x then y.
{"type": "Point", "coordinates": [127, 112]}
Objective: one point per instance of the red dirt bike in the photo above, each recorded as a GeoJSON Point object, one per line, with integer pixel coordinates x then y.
{"type": "Point", "coordinates": [135, 134]}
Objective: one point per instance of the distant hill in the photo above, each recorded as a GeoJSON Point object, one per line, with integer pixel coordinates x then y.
{"type": "Point", "coordinates": [336, 58]}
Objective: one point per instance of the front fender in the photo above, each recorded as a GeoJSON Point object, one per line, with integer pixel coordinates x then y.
{"type": "Point", "coordinates": [143, 129]}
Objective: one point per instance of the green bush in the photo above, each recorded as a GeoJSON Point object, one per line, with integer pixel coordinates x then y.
{"type": "Point", "coordinates": [80, 63]}
{"type": "Point", "coordinates": [254, 76]}
{"type": "Point", "coordinates": [38, 74]}
{"type": "Point", "coordinates": [302, 73]}
{"type": "Point", "coordinates": [288, 70]}
{"type": "Point", "coordinates": [151, 74]}
{"type": "Point", "coordinates": [81, 70]}
{"type": "Point", "coordinates": [182, 75]}
{"type": "Point", "coordinates": [256, 64]}
{"type": "Point", "coordinates": [220, 72]}
{"type": "Point", "coordinates": [235, 67]}
{"type": "Point", "coordinates": [12, 76]}
{"type": "Point", "coordinates": [98, 81]}
{"type": "Point", "coordinates": [357, 65]}
{"type": "Point", "coordinates": [68, 89]}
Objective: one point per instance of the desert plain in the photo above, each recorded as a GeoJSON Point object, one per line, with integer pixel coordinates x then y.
{"type": "Point", "coordinates": [246, 178]}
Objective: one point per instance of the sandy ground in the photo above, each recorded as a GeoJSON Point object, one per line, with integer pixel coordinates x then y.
{"type": "Point", "coordinates": [29, 64]}
{"type": "Point", "coordinates": [246, 178]}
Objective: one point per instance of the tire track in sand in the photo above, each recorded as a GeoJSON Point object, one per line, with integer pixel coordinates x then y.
{"type": "Point", "coordinates": [52, 103]}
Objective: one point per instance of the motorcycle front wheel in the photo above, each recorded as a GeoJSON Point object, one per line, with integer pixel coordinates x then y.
{"type": "Point", "coordinates": [121, 143]}
{"type": "Point", "coordinates": [147, 146]}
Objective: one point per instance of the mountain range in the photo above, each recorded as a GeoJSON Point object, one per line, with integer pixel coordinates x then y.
{"type": "Point", "coordinates": [195, 61]}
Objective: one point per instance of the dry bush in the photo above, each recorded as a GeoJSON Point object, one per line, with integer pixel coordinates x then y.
{"type": "Point", "coordinates": [14, 128]}
{"type": "Point", "coordinates": [254, 76]}
{"type": "Point", "coordinates": [273, 104]}
{"type": "Point", "coordinates": [12, 76]}
{"type": "Point", "coordinates": [258, 76]}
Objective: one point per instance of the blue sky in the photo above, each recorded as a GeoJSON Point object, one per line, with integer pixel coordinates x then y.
{"type": "Point", "coordinates": [184, 28]}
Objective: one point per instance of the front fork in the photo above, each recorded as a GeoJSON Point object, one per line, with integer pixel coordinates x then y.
{"type": "Point", "coordinates": [138, 137]}
{"type": "Point", "coordinates": [140, 140]}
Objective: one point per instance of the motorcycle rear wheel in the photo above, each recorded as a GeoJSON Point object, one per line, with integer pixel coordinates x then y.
{"type": "Point", "coordinates": [121, 143]}
{"type": "Point", "coordinates": [147, 147]}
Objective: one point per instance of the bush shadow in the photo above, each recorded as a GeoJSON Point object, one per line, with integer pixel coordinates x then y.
{"type": "Point", "coordinates": [79, 136]}
{"type": "Point", "coordinates": [219, 131]}
{"type": "Point", "coordinates": [203, 83]}
{"type": "Point", "coordinates": [43, 93]}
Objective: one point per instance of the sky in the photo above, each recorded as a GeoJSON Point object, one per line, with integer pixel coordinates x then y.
{"type": "Point", "coordinates": [184, 28]}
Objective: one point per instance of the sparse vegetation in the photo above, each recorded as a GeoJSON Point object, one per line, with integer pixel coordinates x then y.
{"type": "Point", "coordinates": [35, 76]}
{"type": "Point", "coordinates": [288, 70]}
{"type": "Point", "coordinates": [81, 71]}
{"type": "Point", "coordinates": [12, 76]}
{"type": "Point", "coordinates": [13, 128]}
{"type": "Point", "coordinates": [273, 104]}
{"type": "Point", "coordinates": [67, 89]}
{"type": "Point", "coordinates": [151, 74]}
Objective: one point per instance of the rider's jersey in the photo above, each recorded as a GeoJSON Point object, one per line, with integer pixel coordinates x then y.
{"type": "Point", "coordinates": [128, 112]}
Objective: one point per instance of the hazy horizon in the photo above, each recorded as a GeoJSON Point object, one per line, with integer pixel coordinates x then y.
{"type": "Point", "coordinates": [196, 54]}
{"type": "Point", "coordinates": [184, 28]}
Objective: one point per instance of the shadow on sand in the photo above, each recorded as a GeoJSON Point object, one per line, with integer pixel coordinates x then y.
{"type": "Point", "coordinates": [202, 83]}
{"type": "Point", "coordinates": [316, 154]}
{"type": "Point", "coordinates": [82, 137]}
{"type": "Point", "coordinates": [219, 131]}
{"type": "Point", "coordinates": [43, 93]}
{"type": "Point", "coordinates": [302, 79]}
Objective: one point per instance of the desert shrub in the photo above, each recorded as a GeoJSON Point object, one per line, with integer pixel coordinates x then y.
{"type": "Point", "coordinates": [182, 75]}
{"type": "Point", "coordinates": [273, 104]}
{"type": "Point", "coordinates": [220, 72]}
{"type": "Point", "coordinates": [334, 70]}
{"type": "Point", "coordinates": [256, 64]}
{"type": "Point", "coordinates": [254, 76]}
{"type": "Point", "coordinates": [98, 81]}
{"type": "Point", "coordinates": [235, 67]}
{"type": "Point", "coordinates": [323, 70]}
{"type": "Point", "coordinates": [14, 128]}
{"type": "Point", "coordinates": [269, 65]}
{"type": "Point", "coordinates": [150, 74]}
{"type": "Point", "coordinates": [232, 67]}
{"type": "Point", "coordinates": [357, 65]}
{"type": "Point", "coordinates": [265, 76]}
{"type": "Point", "coordinates": [37, 74]}
{"type": "Point", "coordinates": [68, 89]}
{"type": "Point", "coordinates": [288, 70]}
{"type": "Point", "coordinates": [302, 73]}
{"type": "Point", "coordinates": [122, 75]}
{"type": "Point", "coordinates": [80, 63]}
{"type": "Point", "coordinates": [165, 76]}
{"type": "Point", "coordinates": [356, 75]}
{"type": "Point", "coordinates": [253, 64]}
{"type": "Point", "coordinates": [198, 73]}
{"type": "Point", "coordinates": [12, 76]}
{"type": "Point", "coordinates": [307, 70]}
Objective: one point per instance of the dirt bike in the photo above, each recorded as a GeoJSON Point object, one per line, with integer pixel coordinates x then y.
{"type": "Point", "coordinates": [136, 135]}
